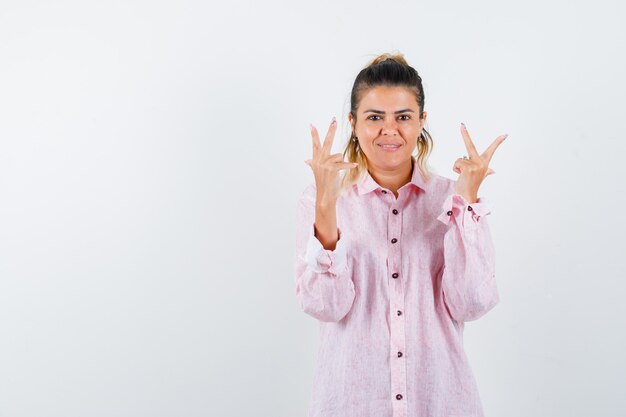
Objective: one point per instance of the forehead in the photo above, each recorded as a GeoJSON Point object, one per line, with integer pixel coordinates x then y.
{"type": "Point", "coordinates": [388, 98]}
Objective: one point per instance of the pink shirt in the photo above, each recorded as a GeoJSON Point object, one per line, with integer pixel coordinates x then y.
{"type": "Point", "coordinates": [392, 299]}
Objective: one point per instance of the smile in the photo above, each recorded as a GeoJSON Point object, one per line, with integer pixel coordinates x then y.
{"type": "Point", "coordinates": [390, 148]}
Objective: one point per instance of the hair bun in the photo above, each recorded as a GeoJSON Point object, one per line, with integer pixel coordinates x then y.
{"type": "Point", "coordinates": [399, 58]}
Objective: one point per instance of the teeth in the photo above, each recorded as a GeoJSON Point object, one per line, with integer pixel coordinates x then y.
{"type": "Point", "coordinates": [390, 146]}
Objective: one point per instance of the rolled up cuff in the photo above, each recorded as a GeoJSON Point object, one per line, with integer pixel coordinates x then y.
{"type": "Point", "coordinates": [456, 205]}
{"type": "Point", "coordinates": [324, 260]}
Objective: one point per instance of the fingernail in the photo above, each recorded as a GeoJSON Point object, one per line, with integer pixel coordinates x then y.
{"type": "Point", "coordinates": [505, 136]}
{"type": "Point", "coordinates": [334, 120]}
{"type": "Point", "coordinates": [311, 126]}
{"type": "Point", "coordinates": [463, 125]}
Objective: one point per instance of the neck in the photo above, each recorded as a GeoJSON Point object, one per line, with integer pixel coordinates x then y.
{"type": "Point", "coordinates": [393, 179]}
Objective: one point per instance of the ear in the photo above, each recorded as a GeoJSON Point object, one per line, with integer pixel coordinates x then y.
{"type": "Point", "coordinates": [422, 121]}
{"type": "Point", "coordinates": [351, 120]}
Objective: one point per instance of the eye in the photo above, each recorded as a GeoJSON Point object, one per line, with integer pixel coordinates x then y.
{"type": "Point", "coordinates": [407, 117]}
{"type": "Point", "coordinates": [374, 115]}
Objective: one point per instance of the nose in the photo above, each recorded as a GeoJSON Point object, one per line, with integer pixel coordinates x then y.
{"type": "Point", "coordinates": [390, 126]}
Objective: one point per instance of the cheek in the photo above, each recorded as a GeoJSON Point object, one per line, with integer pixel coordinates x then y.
{"type": "Point", "coordinates": [411, 130]}
{"type": "Point", "coordinates": [413, 133]}
{"type": "Point", "coordinates": [369, 131]}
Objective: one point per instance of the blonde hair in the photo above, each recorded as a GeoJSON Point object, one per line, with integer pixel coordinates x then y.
{"type": "Point", "coordinates": [385, 70]}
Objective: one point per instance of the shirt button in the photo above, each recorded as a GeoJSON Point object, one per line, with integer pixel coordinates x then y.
{"type": "Point", "coordinates": [394, 240]}
{"type": "Point", "coordinates": [449, 213]}
{"type": "Point", "coordinates": [395, 211]}
{"type": "Point", "coordinates": [399, 354]}
{"type": "Point", "coordinates": [399, 397]}
{"type": "Point", "coordinates": [469, 208]}
{"type": "Point", "coordinates": [394, 275]}
{"type": "Point", "coordinates": [399, 313]}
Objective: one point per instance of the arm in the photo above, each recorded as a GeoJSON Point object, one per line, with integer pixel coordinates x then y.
{"type": "Point", "coordinates": [468, 281]}
{"type": "Point", "coordinates": [323, 280]}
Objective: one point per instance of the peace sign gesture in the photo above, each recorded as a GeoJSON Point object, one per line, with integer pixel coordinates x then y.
{"type": "Point", "coordinates": [475, 169]}
{"type": "Point", "coordinates": [325, 166]}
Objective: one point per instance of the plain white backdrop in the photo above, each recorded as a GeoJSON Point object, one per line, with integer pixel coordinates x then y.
{"type": "Point", "coordinates": [152, 154]}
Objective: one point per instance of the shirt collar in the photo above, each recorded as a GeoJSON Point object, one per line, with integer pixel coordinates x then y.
{"type": "Point", "coordinates": [367, 183]}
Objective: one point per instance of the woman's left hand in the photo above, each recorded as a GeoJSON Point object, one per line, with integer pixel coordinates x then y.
{"type": "Point", "coordinates": [475, 169]}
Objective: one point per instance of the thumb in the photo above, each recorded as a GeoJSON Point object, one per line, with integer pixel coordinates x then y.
{"type": "Point", "coordinates": [308, 162]}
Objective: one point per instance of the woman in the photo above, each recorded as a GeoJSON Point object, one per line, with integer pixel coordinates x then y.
{"type": "Point", "coordinates": [393, 260]}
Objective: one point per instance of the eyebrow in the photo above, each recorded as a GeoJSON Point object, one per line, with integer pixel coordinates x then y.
{"type": "Point", "coordinates": [382, 112]}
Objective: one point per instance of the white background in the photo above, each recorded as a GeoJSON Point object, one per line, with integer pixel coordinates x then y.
{"type": "Point", "coordinates": [151, 158]}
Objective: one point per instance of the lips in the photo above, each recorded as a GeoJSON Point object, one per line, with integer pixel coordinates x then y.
{"type": "Point", "coordinates": [389, 147]}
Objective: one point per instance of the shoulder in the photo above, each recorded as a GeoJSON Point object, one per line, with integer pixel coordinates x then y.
{"type": "Point", "coordinates": [309, 193]}
{"type": "Point", "coordinates": [439, 186]}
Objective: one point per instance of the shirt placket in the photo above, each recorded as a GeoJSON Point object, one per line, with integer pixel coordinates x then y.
{"type": "Point", "coordinates": [397, 320]}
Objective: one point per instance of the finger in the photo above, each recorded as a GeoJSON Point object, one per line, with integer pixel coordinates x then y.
{"type": "Point", "coordinates": [469, 145]}
{"type": "Point", "coordinates": [494, 145]}
{"type": "Point", "coordinates": [328, 141]}
{"type": "Point", "coordinates": [463, 162]}
{"type": "Point", "coordinates": [336, 157]}
{"type": "Point", "coordinates": [316, 141]}
{"type": "Point", "coordinates": [346, 165]}
{"type": "Point", "coordinates": [459, 163]}
{"type": "Point", "coordinates": [308, 162]}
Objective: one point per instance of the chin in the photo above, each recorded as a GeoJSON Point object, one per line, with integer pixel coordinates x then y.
{"type": "Point", "coordinates": [390, 163]}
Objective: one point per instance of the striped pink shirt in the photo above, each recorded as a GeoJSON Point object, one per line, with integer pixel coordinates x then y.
{"type": "Point", "coordinates": [392, 299]}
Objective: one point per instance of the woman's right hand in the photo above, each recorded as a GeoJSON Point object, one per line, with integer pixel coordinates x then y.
{"type": "Point", "coordinates": [326, 167]}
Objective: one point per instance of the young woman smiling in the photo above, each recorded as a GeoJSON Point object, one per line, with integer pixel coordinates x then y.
{"type": "Point", "coordinates": [393, 260]}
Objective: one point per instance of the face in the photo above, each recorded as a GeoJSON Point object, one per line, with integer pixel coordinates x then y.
{"type": "Point", "coordinates": [387, 126]}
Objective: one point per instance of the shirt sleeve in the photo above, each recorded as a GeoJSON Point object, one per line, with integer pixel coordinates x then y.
{"type": "Point", "coordinates": [468, 281]}
{"type": "Point", "coordinates": [324, 284]}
